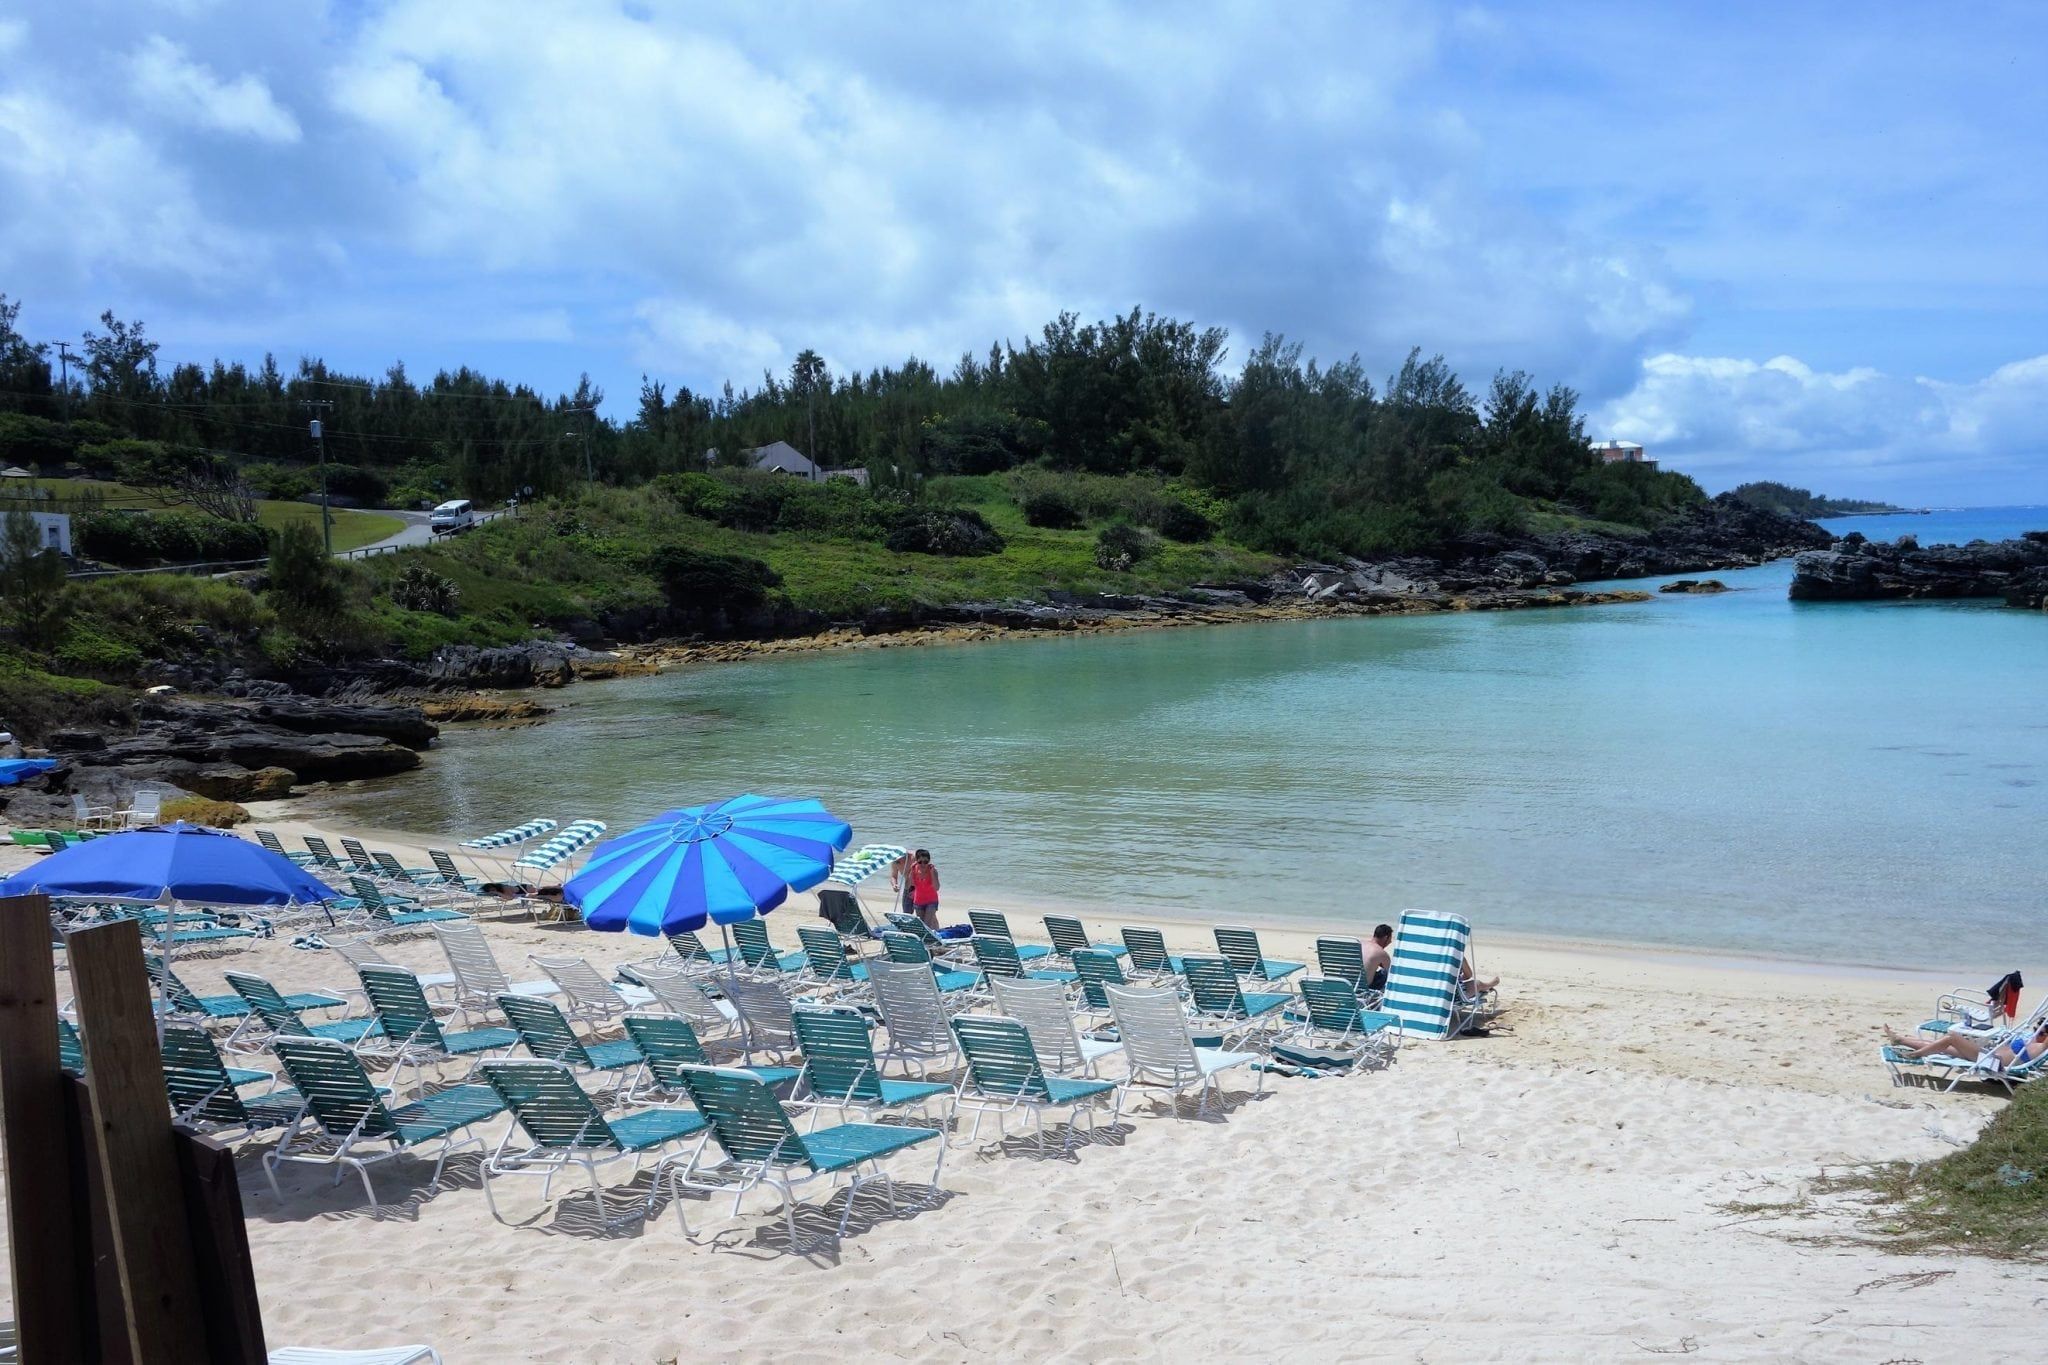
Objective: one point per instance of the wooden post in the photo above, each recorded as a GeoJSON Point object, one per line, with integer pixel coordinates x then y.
{"type": "Point", "coordinates": [220, 1251]}
{"type": "Point", "coordinates": [52, 1303]}
{"type": "Point", "coordinates": [97, 1273]}
{"type": "Point", "coordinates": [138, 1160]}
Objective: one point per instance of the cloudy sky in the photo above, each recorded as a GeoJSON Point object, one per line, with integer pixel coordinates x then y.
{"type": "Point", "coordinates": [1768, 240]}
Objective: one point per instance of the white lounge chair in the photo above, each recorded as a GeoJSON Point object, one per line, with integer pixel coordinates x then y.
{"type": "Point", "coordinates": [678, 994]}
{"type": "Point", "coordinates": [914, 1013]}
{"type": "Point", "coordinates": [361, 952]}
{"type": "Point", "coordinates": [1161, 1051]}
{"type": "Point", "coordinates": [479, 980]}
{"type": "Point", "coordinates": [589, 995]}
{"type": "Point", "coordinates": [1041, 1007]}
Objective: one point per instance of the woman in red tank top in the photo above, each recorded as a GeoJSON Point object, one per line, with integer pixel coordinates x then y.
{"type": "Point", "coordinates": [924, 887]}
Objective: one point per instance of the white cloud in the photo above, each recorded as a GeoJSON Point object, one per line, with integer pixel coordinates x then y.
{"type": "Point", "coordinates": [79, 196]}
{"type": "Point", "coordinates": [13, 33]}
{"type": "Point", "coordinates": [1728, 419]}
{"type": "Point", "coordinates": [179, 88]}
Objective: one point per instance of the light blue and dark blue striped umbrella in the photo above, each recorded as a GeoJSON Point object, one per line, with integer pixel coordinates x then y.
{"type": "Point", "coordinates": [713, 864]}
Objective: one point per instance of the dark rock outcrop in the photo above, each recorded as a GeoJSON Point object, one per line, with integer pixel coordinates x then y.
{"type": "Point", "coordinates": [1694, 585]}
{"type": "Point", "coordinates": [1857, 570]}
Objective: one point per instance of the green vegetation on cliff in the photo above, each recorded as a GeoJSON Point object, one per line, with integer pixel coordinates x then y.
{"type": "Point", "coordinates": [1798, 502]}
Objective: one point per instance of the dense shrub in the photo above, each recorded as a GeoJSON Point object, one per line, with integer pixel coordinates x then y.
{"type": "Point", "coordinates": [365, 486]}
{"type": "Point", "coordinates": [747, 500]}
{"type": "Point", "coordinates": [1632, 493]}
{"type": "Point", "coordinates": [132, 539]}
{"type": "Point", "coordinates": [281, 483]}
{"type": "Point", "coordinates": [979, 442]}
{"type": "Point", "coordinates": [35, 702]}
{"type": "Point", "coordinates": [697, 579]}
{"type": "Point", "coordinates": [1052, 507]}
{"type": "Point", "coordinates": [1141, 499]}
{"type": "Point", "coordinates": [421, 589]}
{"type": "Point", "coordinates": [1180, 521]}
{"type": "Point", "coordinates": [200, 810]}
{"type": "Point", "coordinates": [1120, 545]}
{"type": "Point", "coordinates": [956, 531]}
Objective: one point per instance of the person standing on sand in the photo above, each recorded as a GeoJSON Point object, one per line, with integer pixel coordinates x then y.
{"type": "Point", "coordinates": [899, 883]}
{"type": "Point", "coordinates": [923, 885]}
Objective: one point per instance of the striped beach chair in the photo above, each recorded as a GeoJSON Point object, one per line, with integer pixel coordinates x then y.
{"type": "Point", "coordinates": [509, 838]}
{"type": "Point", "coordinates": [556, 851]}
{"type": "Point", "coordinates": [1422, 985]}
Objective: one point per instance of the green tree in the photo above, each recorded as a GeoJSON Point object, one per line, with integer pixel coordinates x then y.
{"type": "Point", "coordinates": [32, 579]}
{"type": "Point", "coordinates": [306, 587]}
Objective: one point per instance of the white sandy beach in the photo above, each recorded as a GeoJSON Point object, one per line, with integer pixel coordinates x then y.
{"type": "Point", "coordinates": [1553, 1191]}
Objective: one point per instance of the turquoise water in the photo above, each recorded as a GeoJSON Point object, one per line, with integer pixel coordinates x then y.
{"type": "Point", "coordinates": [1838, 782]}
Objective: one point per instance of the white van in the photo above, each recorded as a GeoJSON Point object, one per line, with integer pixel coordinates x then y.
{"type": "Point", "coordinates": [457, 514]}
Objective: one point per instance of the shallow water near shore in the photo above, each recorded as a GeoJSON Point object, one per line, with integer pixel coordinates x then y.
{"type": "Point", "coordinates": [1858, 783]}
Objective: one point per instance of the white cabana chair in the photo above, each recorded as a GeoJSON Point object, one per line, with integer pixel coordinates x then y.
{"type": "Point", "coordinates": [479, 980]}
{"type": "Point", "coordinates": [590, 997]}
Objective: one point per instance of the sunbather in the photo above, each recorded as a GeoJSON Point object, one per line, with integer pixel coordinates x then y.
{"type": "Point", "coordinates": [1377, 958]}
{"type": "Point", "coordinates": [1470, 985]}
{"type": "Point", "coordinates": [2011, 1052]}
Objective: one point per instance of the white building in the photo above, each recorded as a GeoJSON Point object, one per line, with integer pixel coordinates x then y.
{"type": "Point", "coordinates": [53, 529]}
{"type": "Point", "coordinates": [1620, 452]}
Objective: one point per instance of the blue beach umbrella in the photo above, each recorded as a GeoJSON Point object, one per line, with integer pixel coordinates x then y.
{"type": "Point", "coordinates": [177, 862]}
{"type": "Point", "coordinates": [712, 864]}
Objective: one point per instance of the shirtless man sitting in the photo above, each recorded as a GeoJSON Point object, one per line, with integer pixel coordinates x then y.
{"type": "Point", "coordinates": [1377, 958]}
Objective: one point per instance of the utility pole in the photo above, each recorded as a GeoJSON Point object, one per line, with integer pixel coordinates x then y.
{"type": "Point", "coordinates": [589, 474]}
{"type": "Point", "coordinates": [320, 445]}
{"type": "Point", "coordinates": [64, 384]}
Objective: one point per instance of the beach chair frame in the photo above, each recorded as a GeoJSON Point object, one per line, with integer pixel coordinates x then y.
{"type": "Point", "coordinates": [1005, 1076]}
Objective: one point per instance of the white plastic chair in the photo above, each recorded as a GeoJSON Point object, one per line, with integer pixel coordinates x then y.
{"type": "Point", "coordinates": [1041, 1007]}
{"type": "Point", "coordinates": [1162, 1052]}
{"type": "Point", "coordinates": [590, 996]}
{"type": "Point", "coordinates": [146, 809]}
{"type": "Point", "coordinates": [676, 993]}
{"type": "Point", "coordinates": [914, 1013]}
{"type": "Point", "coordinates": [479, 980]}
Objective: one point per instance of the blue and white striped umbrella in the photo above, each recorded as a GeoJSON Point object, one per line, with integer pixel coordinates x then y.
{"type": "Point", "coordinates": [712, 864]}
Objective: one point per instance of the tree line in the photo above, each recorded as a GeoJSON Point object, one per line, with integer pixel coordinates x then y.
{"type": "Point", "coordinates": [1307, 457]}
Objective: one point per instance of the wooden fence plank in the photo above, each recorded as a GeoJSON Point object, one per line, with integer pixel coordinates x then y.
{"type": "Point", "coordinates": [138, 1158]}
{"type": "Point", "coordinates": [107, 1323]}
{"type": "Point", "coordinates": [52, 1306]}
{"type": "Point", "coordinates": [220, 1251]}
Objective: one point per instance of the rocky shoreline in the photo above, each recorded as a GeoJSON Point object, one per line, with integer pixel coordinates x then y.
{"type": "Point", "coordinates": [218, 732]}
{"type": "Point", "coordinates": [1860, 570]}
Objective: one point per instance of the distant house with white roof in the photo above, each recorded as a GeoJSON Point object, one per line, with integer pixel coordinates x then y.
{"type": "Point", "coordinates": [1620, 452]}
{"type": "Point", "coordinates": [53, 531]}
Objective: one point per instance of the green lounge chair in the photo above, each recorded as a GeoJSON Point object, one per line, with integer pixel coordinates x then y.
{"type": "Point", "coordinates": [1069, 937]}
{"type": "Point", "coordinates": [825, 961]}
{"type": "Point", "coordinates": [70, 1047]}
{"type": "Point", "coordinates": [179, 1002]}
{"type": "Point", "coordinates": [359, 858]}
{"type": "Point", "coordinates": [997, 925]}
{"type": "Point", "coordinates": [840, 1071]}
{"type": "Point", "coordinates": [348, 1112]}
{"type": "Point", "coordinates": [1004, 1075]}
{"type": "Point", "coordinates": [669, 1043]}
{"type": "Point", "coordinates": [750, 940]}
{"type": "Point", "coordinates": [203, 1092]}
{"type": "Point", "coordinates": [283, 1021]}
{"type": "Point", "coordinates": [450, 875]}
{"type": "Point", "coordinates": [545, 1030]}
{"type": "Point", "coordinates": [1334, 1014]}
{"type": "Point", "coordinates": [318, 854]}
{"type": "Point", "coordinates": [1148, 952]}
{"type": "Point", "coordinates": [566, 1129]}
{"type": "Point", "coordinates": [761, 1146]}
{"type": "Point", "coordinates": [905, 949]}
{"type": "Point", "coordinates": [949, 952]}
{"type": "Point", "coordinates": [998, 956]}
{"type": "Point", "coordinates": [413, 1033]}
{"type": "Point", "coordinates": [270, 841]}
{"type": "Point", "coordinates": [1241, 946]}
{"type": "Point", "coordinates": [1096, 969]}
{"type": "Point", "coordinates": [696, 957]}
{"type": "Point", "coordinates": [1344, 959]}
{"type": "Point", "coordinates": [1219, 999]}
{"type": "Point", "coordinates": [397, 912]}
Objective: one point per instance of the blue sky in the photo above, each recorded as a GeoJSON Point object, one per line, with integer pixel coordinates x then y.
{"type": "Point", "coordinates": [1790, 241]}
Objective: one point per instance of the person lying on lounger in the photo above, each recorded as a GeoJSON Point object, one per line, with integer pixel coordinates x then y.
{"type": "Point", "coordinates": [2012, 1052]}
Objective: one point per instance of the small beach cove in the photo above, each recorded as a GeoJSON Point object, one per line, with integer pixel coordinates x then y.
{"type": "Point", "coordinates": [1842, 783]}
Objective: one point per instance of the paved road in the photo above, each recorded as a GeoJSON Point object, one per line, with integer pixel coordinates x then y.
{"type": "Point", "coordinates": [416, 531]}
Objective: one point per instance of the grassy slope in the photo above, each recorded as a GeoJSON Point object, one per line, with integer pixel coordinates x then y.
{"type": "Point", "coordinates": [515, 574]}
{"type": "Point", "coordinates": [352, 529]}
